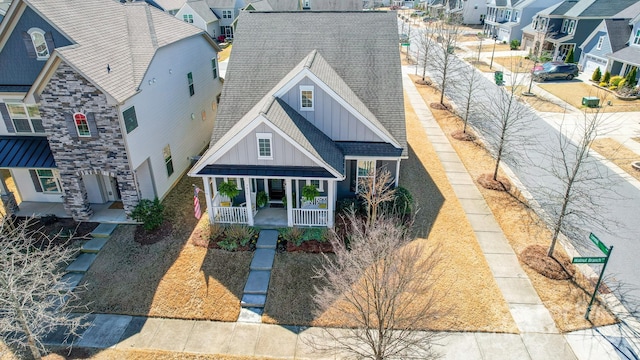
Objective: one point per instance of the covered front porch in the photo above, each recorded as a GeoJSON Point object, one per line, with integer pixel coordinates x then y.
{"type": "Point", "coordinates": [285, 205]}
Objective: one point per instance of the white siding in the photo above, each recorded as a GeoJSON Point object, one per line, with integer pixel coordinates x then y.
{"type": "Point", "coordinates": [329, 116]}
{"type": "Point", "coordinates": [28, 192]}
{"type": "Point", "coordinates": [164, 107]}
{"type": "Point", "coordinates": [246, 151]}
{"type": "Point", "coordinates": [198, 21]}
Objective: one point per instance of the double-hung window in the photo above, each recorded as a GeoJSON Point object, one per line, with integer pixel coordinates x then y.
{"type": "Point", "coordinates": [188, 18]}
{"type": "Point", "coordinates": [636, 39]}
{"type": "Point", "coordinates": [192, 89]}
{"type": "Point", "coordinates": [265, 150]}
{"type": "Point", "coordinates": [600, 41]}
{"type": "Point", "coordinates": [168, 162]}
{"type": "Point", "coordinates": [214, 67]}
{"type": "Point", "coordinates": [366, 171]}
{"type": "Point", "coordinates": [507, 15]}
{"type": "Point", "coordinates": [306, 98]}
{"type": "Point", "coordinates": [227, 14]}
{"type": "Point", "coordinates": [25, 118]}
{"type": "Point", "coordinates": [565, 23]}
{"type": "Point", "coordinates": [516, 16]}
{"type": "Point", "coordinates": [82, 125]}
{"type": "Point", "coordinates": [48, 181]}
{"type": "Point", "coordinates": [571, 27]}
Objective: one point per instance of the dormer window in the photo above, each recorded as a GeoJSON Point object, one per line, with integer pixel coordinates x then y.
{"type": "Point", "coordinates": [306, 98]}
{"type": "Point", "coordinates": [600, 41]}
{"type": "Point", "coordinates": [39, 43]}
{"type": "Point", "coordinates": [227, 14]}
{"type": "Point", "coordinates": [188, 18]}
{"type": "Point", "coordinates": [516, 16]}
{"type": "Point", "coordinates": [82, 125]}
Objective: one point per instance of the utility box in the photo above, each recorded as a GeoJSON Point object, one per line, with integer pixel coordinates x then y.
{"type": "Point", "coordinates": [498, 77]}
{"type": "Point", "coordinates": [591, 101]}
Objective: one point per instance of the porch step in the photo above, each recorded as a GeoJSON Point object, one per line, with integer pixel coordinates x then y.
{"type": "Point", "coordinates": [253, 300]}
{"type": "Point", "coordinates": [268, 239]}
{"type": "Point", "coordinates": [82, 263]}
{"type": "Point", "coordinates": [69, 281]}
{"type": "Point", "coordinates": [94, 245]}
{"type": "Point", "coordinates": [262, 259]}
{"type": "Point", "coordinates": [103, 230]}
{"type": "Point", "coordinates": [258, 282]}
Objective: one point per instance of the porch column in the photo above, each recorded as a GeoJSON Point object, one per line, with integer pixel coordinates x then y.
{"type": "Point", "coordinates": [298, 195]}
{"type": "Point", "coordinates": [8, 199]}
{"type": "Point", "coordinates": [266, 186]}
{"type": "Point", "coordinates": [207, 193]}
{"type": "Point", "coordinates": [287, 185]}
{"type": "Point", "coordinates": [247, 199]}
{"type": "Point", "coordinates": [397, 172]}
{"type": "Point", "coordinates": [331, 201]}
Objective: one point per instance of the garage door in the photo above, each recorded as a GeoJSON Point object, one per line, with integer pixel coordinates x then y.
{"type": "Point", "coordinates": [592, 62]}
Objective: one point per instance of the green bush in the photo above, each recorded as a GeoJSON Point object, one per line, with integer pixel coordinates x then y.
{"type": "Point", "coordinates": [347, 204]}
{"type": "Point", "coordinates": [514, 44]}
{"type": "Point", "coordinates": [631, 77]}
{"type": "Point", "coordinates": [292, 235]}
{"type": "Point", "coordinates": [569, 59]}
{"type": "Point", "coordinates": [403, 202]}
{"type": "Point", "coordinates": [240, 234]}
{"type": "Point", "coordinates": [613, 87]}
{"type": "Point", "coordinates": [597, 75]}
{"type": "Point", "coordinates": [545, 56]}
{"type": "Point", "coordinates": [603, 84]}
{"type": "Point", "coordinates": [615, 80]}
{"type": "Point", "coordinates": [622, 83]}
{"type": "Point", "coordinates": [606, 77]}
{"type": "Point", "coordinates": [318, 234]}
{"type": "Point", "coordinates": [149, 213]}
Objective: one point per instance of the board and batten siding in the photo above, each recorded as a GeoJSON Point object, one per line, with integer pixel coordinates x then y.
{"type": "Point", "coordinates": [329, 116]}
{"type": "Point", "coordinates": [245, 152]}
{"type": "Point", "coordinates": [163, 109]}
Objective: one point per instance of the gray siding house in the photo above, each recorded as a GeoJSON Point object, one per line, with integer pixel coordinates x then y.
{"type": "Point", "coordinates": [506, 18]}
{"type": "Point", "coordinates": [322, 110]}
{"type": "Point", "coordinates": [566, 25]}
{"type": "Point", "coordinates": [624, 59]}
{"type": "Point", "coordinates": [610, 36]}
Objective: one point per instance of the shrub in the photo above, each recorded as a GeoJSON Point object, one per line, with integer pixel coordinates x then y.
{"type": "Point", "coordinates": [606, 77]}
{"type": "Point", "coordinates": [622, 83]}
{"type": "Point", "coordinates": [597, 75]}
{"type": "Point", "coordinates": [240, 234]}
{"type": "Point", "coordinates": [545, 56]}
{"type": "Point", "coordinates": [292, 235]}
{"type": "Point", "coordinates": [631, 77]}
{"type": "Point", "coordinates": [149, 213]}
{"type": "Point", "coordinates": [347, 204]}
{"type": "Point", "coordinates": [603, 84]}
{"type": "Point", "coordinates": [403, 202]}
{"type": "Point", "coordinates": [615, 80]}
{"type": "Point", "coordinates": [613, 87]}
{"type": "Point", "coordinates": [228, 245]}
{"type": "Point", "coordinates": [319, 234]}
{"type": "Point", "coordinates": [569, 59]}
{"type": "Point", "coordinates": [514, 44]}
{"type": "Point", "coordinates": [215, 231]}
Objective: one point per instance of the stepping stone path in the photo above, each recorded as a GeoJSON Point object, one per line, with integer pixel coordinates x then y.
{"type": "Point", "coordinates": [255, 290]}
{"type": "Point", "coordinates": [88, 253]}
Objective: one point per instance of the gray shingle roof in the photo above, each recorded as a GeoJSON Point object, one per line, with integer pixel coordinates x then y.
{"type": "Point", "coordinates": [170, 4]}
{"type": "Point", "coordinates": [618, 31]}
{"type": "Point", "coordinates": [367, 60]}
{"type": "Point", "coordinates": [629, 54]}
{"type": "Point", "coordinates": [261, 5]}
{"type": "Point", "coordinates": [123, 36]}
{"type": "Point", "coordinates": [201, 8]}
{"type": "Point", "coordinates": [221, 4]}
{"type": "Point", "coordinates": [317, 5]}
{"type": "Point", "coordinates": [592, 8]}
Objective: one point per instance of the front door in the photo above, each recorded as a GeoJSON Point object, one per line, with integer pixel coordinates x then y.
{"type": "Point", "coordinates": [276, 189]}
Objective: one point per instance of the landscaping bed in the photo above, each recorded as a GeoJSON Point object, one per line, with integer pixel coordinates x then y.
{"type": "Point", "coordinates": [59, 230]}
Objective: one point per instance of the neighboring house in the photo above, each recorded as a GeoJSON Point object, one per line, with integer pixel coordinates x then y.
{"type": "Point", "coordinates": [101, 101]}
{"type": "Point", "coordinates": [198, 13]}
{"type": "Point", "coordinates": [4, 5]}
{"type": "Point", "coordinates": [325, 110]}
{"type": "Point", "coordinates": [566, 25]}
{"type": "Point", "coordinates": [624, 59]}
{"type": "Point", "coordinates": [610, 36]}
{"type": "Point", "coordinates": [299, 5]}
{"type": "Point", "coordinates": [469, 12]}
{"type": "Point", "coordinates": [506, 18]}
{"type": "Point", "coordinates": [170, 6]}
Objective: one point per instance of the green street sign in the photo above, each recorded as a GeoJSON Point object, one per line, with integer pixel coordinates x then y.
{"type": "Point", "coordinates": [405, 44]}
{"type": "Point", "coordinates": [588, 260]}
{"type": "Point", "coordinates": [599, 243]}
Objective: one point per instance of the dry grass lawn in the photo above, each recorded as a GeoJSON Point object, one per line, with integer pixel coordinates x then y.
{"type": "Point", "coordinates": [171, 278]}
{"type": "Point", "coordinates": [487, 46]}
{"type": "Point", "coordinates": [473, 301]}
{"type": "Point", "coordinates": [565, 300]}
{"type": "Point", "coordinates": [618, 154]}
{"type": "Point", "coordinates": [573, 92]}
{"type": "Point", "coordinates": [537, 102]}
{"type": "Point", "coordinates": [225, 53]}
{"type": "Point", "coordinates": [480, 65]}
{"type": "Point", "coordinates": [515, 63]}
{"type": "Point", "coordinates": [137, 354]}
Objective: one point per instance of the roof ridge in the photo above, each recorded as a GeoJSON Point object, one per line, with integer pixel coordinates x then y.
{"type": "Point", "coordinates": [267, 106]}
{"type": "Point", "coordinates": [152, 27]}
{"type": "Point", "coordinates": [310, 58]}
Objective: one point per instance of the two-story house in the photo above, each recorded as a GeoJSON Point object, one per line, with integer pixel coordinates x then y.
{"type": "Point", "coordinates": [505, 19]}
{"type": "Point", "coordinates": [216, 17]}
{"type": "Point", "coordinates": [101, 101]}
{"type": "Point", "coordinates": [315, 108]}
{"type": "Point", "coordinates": [566, 25]}
{"type": "Point", "coordinates": [304, 5]}
{"type": "Point", "coordinates": [622, 60]}
{"type": "Point", "coordinates": [610, 36]}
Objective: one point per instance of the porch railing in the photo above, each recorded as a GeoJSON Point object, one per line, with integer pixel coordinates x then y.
{"type": "Point", "coordinates": [230, 215]}
{"type": "Point", "coordinates": [310, 217]}
{"type": "Point", "coordinates": [316, 201]}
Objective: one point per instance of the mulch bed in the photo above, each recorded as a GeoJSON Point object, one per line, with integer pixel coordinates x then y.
{"type": "Point", "coordinates": [463, 136]}
{"type": "Point", "coordinates": [487, 182]}
{"type": "Point", "coordinates": [310, 246]}
{"type": "Point", "coordinates": [558, 268]}
{"type": "Point", "coordinates": [144, 237]}
{"type": "Point", "coordinates": [59, 229]}
{"type": "Point", "coordinates": [424, 82]}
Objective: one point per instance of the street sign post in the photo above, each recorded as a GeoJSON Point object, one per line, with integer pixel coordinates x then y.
{"type": "Point", "coordinates": [595, 260]}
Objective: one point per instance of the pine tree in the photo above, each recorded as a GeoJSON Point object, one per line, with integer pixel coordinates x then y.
{"type": "Point", "coordinates": [596, 75]}
{"type": "Point", "coordinates": [570, 57]}
{"type": "Point", "coordinates": [631, 77]}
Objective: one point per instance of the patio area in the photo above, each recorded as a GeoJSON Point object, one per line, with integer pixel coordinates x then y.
{"type": "Point", "coordinates": [271, 218]}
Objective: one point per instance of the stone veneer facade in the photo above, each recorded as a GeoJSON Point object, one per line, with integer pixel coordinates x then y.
{"type": "Point", "coordinates": [69, 92]}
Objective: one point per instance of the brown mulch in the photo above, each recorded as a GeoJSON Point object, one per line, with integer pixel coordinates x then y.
{"type": "Point", "coordinates": [501, 184]}
{"type": "Point", "coordinates": [439, 106]}
{"type": "Point", "coordinates": [310, 246]}
{"type": "Point", "coordinates": [426, 81]}
{"type": "Point", "coordinates": [558, 267]}
{"type": "Point", "coordinates": [58, 229]}
{"type": "Point", "coordinates": [144, 237]}
{"type": "Point", "coordinates": [463, 136]}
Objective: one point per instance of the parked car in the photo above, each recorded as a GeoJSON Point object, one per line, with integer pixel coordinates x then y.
{"type": "Point", "coordinates": [555, 71]}
{"type": "Point", "coordinates": [404, 38]}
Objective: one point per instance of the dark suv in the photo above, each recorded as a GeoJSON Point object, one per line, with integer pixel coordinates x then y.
{"type": "Point", "coordinates": [555, 71]}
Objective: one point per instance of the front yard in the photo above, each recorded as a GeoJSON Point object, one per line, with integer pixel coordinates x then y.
{"type": "Point", "coordinates": [573, 91]}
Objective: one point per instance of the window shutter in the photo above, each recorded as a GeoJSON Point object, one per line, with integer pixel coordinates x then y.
{"type": "Point", "coordinates": [31, 51]}
{"type": "Point", "coordinates": [93, 127]}
{"type": "Point", "coordinates": [71, 126]}
{"type": "Point", "coordinates": [48, 37]}
{"type": "Point", "coordinates": [7, 119]}
{"type": "Point", "coordinates": [36, 181]}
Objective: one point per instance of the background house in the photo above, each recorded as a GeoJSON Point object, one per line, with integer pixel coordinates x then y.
{"type": "Point", "coordinates": [623, 59]}
{"type": "Point", "coordinates": [101, 101]}
{"type": "Point", "coordinates": [610, 36]}
{"type": "Point", "coordinates": [328, 111]}
{"type": "Point", "coordinates": [506, 18]}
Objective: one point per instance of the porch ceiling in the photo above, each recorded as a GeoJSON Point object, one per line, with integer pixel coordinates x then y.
{"type": "Point", "coordinates": [270, 171]}
{"type": "Point", "coordinates": [25, 152]}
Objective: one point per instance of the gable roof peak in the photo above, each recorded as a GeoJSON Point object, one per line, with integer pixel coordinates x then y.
{"type": "Point", "coordinates": [310, 58]}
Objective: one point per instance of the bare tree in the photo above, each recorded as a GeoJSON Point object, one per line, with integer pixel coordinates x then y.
{"type": "Point", "coordinates": [469, 86]}
{"type": "Point", "coordinates": [573, 203]}
{"type": "Point", "coordinates": [33, 295]}
{"type": "Point", "coordinates": [505, 123]}
{"type": "Point", "coordinates": [445, 61]}
{"type": "Point", "coordinates": [426, 48]}
{"type": "Point", "coordinates": [382, 284]}
{"type": "Point", "coordinates": [375, 190]}
{"type": "Point", "coordinates": [538, 54]}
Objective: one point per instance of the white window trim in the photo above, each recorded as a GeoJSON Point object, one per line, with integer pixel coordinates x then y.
{"type": "Point", "coordinates": [600, 41]}
{"type": "Point", "coordinates": [571, 27]}
{"type": "Point", "coordinates": [54, 176]}
{"type": "Point", "coordinates": [236, 179]}
{"type": "Point", "coordinates": [516, 16]}
{"type": "Point", "coordinates": [263, 136]}
{"type": "Point", "coordinates": [358, 176]}
{"type": "Point", "coordinates": [565, 24]}
{"type": "Point", "coordinates": [76, 124]}
{"type": "Point", "coordinates": [227, 14]}
{"type": "Point", "coordinates": [636, 39]}
{"type": "Point", "coordinates": [320, 187]}
{"type": "Point", "coordinates": [214, 68]}
{"type": "Point", "coordinates": [27, 117]}
{"type": "Point", "coordinates": [40, 32]}
{"type": "Point", "coordinates": [313, 97]}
